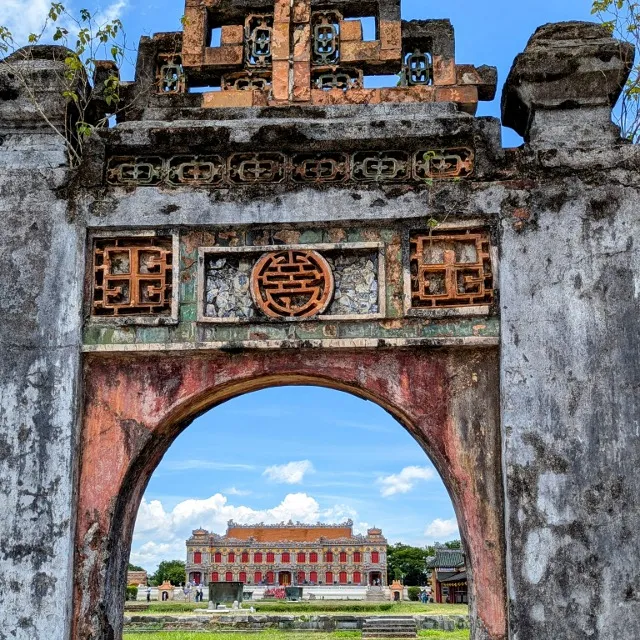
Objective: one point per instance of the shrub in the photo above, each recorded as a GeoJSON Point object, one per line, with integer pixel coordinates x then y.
{"type": "Point", "coordinates": [414, 593]}
{"type": "Point", "coordinates": [132, 593]}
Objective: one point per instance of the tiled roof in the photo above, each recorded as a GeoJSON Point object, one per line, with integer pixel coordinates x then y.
{"type": "Point", "coordinates": [446, 558]}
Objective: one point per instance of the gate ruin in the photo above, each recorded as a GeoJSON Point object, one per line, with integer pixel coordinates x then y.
{"type": "Point", "coordinates": [288, 225]}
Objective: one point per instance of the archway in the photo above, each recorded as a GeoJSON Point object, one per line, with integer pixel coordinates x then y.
{"type": "Point", "coordinates": [136, 406]}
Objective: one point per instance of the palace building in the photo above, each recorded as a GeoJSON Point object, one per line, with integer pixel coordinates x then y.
{"type": "Point", "coordinates": [288, 554]}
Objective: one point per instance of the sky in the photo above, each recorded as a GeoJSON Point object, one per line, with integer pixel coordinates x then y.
{"type": "Point", "coordinates": [307, 454]}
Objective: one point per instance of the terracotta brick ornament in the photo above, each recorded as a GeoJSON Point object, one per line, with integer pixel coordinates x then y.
{"type": "Point", "coordinates": [274, 53]}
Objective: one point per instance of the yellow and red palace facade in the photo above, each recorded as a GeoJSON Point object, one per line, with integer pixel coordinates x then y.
{"type": "Point", "coordinates": [288, 554]}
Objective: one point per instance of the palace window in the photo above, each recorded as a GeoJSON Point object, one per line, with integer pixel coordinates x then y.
{"type": "Point", "coordinates": [245, 556]}
{"type": "Point", "coordinates": [286, 557]}
{"type": "Point", "coordinates": [343, 556]}
{"type": "Point", "coordinates": [313, 557]}
{"type": "Point", "coordinates": [258, 577]}
{"type": "Point", "coordinates": [329, 557]}
{"type": "Point", "coordinates": [217, 557]}
{"type": "Point", "coordinates": [302, 557]}
{"type": "Point", "coordinates": [215, 577]}
{"type": "Point", "coordinates": [357, 577]}
{"type": "Point", "coordinates": [243, 576]}
{"type": "Point", "coordinates": [197, 557]}
{"type": "Point", "coordinates": [271, 557]}
{"type": "Point", "coordinates": [375, 557]}
{"type": "Point", "coordinates": [301, 577]}
{"type": "Point", "coordinates": [343, 577]}
{"type": "Point", "coordinates": [357, 556]}
{"type": "Point", "coordinates": [313, 577]}
{"type": "Point", "coordinates": [329, 577]}
{"type": "Point", "coordinates": [231, 558]}
{"type": "Point", "coordinates": [228, 577]}
{"type": "Point", "coordinates": [270, 577]}
{"type": "Point", "coordinates": [257, 558]}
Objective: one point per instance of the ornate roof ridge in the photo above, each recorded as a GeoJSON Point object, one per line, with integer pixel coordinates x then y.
{"type": "Point", "coordinates": [291, 524]}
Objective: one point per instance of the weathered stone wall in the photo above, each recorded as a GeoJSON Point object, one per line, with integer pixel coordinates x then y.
{"type": "Point", "coordinates": [41, 266]}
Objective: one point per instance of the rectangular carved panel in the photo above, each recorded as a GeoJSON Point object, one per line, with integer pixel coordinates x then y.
{"type": "Point", "coordinates": [132, 276]}
{"type": "Point", "coordinates": [451, 269]}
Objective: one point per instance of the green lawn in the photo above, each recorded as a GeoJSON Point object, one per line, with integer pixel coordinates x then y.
{"type": "Point", "coordinates": [324, 607]}
{"type": "Point", "coordinates": [281, 635]}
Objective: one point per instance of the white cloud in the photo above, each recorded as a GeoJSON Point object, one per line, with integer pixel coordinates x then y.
{"type": "Point", "coordinates": [232, 491]}
{"type": "Point", "coordinates": [290, 473]}
{"type": "Point", "coordinates": [160, 534]}
{"type": "Point", "coordinates": [404, 481]}
{"type": "Point", "coordinates": [174, 527]}
{"type": "Point", "coordinates": [442, 529]}
{"type": "Point", "coordinates": [23, 17]}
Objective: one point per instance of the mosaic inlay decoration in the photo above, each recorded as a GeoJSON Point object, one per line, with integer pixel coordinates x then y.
{"type": "Point", "coordinates": [451, 269]}
{"type": "Point", "coordinates": [272, 168]}
{"type": "Point", "coordinates": [132, 276]}
{"type": "Point", "coordinates": [292, 284]}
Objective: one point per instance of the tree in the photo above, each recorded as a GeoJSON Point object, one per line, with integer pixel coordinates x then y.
{"type": "Point", "coordinates": [453, 544]}
{"type": "Point", "coordinates": [622, 18]}
{"type": "Point", "coordinates": [88, 52]}
{"type": "Point", "coordinates": [134, 567]}
{"type": "Point", "coordinates": [172, 570]}
{"type": "Point", "coordinates": [407, 563]}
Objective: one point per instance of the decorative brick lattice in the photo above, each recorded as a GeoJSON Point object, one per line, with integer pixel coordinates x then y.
{"type": "Point", "coordinates": [443, 163]}
{"type": "Point", "coordinates": [343, 79]}
{"type": "Point", "coordinates": [384, 166]}
{"type": "Point", "coordinates": [170, 75]}
{"type": "Point", "coordinates": [132, 276]}
{"type": "Point", "coordinates": [249, 81]}
{"type": "Point", "coordinates": [258, 41]}
{"type": "Point", "coordinates": [292, 284]}
{"type": "Point", "coordinates": [321, 167]}
{"type": "Point", "coordinates": [195, 171]}
{"type": "Point", "coordinates": [256, 167]}
{"type": "Point", "coordinates": [451, 269]}
{"type": "Point", "coordinates": [417, 69]}
{"type": "Point", "coordinates": [326, 38]}
{"type": "Point", "coordinates": [272, 168]}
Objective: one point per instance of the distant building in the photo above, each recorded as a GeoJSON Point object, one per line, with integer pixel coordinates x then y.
{"type": "Point", "coordinates": [135, 578]}
{"type": "Point", "coordinates": [449, 576]}
{"type": "Point", "coordinates": [288, 554]}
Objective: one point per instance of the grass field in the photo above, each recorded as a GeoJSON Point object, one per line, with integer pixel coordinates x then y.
{"type": "Point", "coordinates": [325, 607]}
{"type": "Point", "coordinates": [282, 635]}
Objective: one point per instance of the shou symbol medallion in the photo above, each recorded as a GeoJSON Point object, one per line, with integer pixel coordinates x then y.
{"type": "Point", "coordinates": [272, 168]}
{"type": "Point", "coordinates": [292, 284]}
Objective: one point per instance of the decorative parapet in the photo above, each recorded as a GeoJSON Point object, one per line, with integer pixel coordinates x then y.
{"type": "Point", "coordinates": [262, 53]}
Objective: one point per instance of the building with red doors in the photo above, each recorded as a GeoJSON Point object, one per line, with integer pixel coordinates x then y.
{"type": "Point", "coordinates": [449, 576]}
{"type": "Point", "coordinates": [288, 554]}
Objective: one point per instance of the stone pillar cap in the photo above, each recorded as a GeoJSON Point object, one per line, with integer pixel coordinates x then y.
{"type": "Point", "coordinates": [566, 65]}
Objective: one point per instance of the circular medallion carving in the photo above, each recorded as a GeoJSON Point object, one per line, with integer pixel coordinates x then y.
{"type": "Point", "coordinates": [292, 284]}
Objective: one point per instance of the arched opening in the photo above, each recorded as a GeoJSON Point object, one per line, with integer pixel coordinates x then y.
{"type": "Point", "coordinates": [137, 407]}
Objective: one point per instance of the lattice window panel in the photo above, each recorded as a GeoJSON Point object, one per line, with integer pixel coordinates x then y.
{"type": "Point", "coordinates": [343, 79]}
{"type": "Point", "coordinates": [258, 41]}
{"type": "Point", "coordinates": [132, 276]}
{"type": "Point", "coordinates": [451, 269]}
{"type": "Point", "coordinates": [170, 76]}
{"type": "Point", "coordinates": [326, 38]}
{"type": "Point", "coordinates": [417, 69]}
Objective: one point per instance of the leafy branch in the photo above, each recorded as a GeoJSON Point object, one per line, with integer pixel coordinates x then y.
{"type": "Point", "coordinates": [622, 18]}
{"type": "Point", "coordinates": [92, 52]}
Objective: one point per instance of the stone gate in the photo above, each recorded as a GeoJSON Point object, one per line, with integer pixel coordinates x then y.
{"type": "Point", "coordinates": [285, 224]}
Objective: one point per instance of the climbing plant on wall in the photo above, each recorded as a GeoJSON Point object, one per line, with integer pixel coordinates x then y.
{"type": "Point", "coordinates": [90, 53]}
{"type": "Point", "coordinates": [622, 18]}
